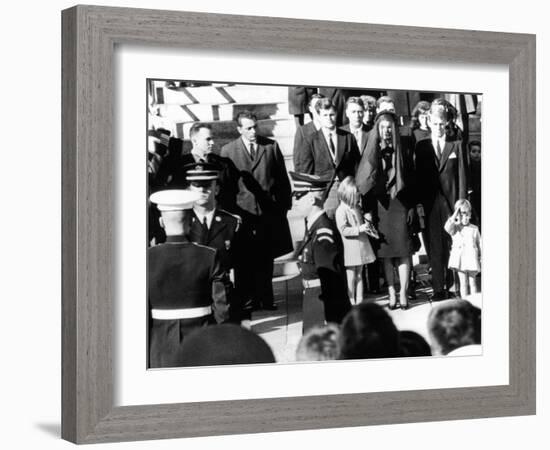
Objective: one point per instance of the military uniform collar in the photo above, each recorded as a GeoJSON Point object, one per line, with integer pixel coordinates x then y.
{"type": "Point", "coordinates": [176, 239]}
{"type": "Point", "coordinates": [209, 216]}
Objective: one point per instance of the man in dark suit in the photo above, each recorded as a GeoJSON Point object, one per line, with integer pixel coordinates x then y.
{"type": "Point", "coordinates": [355, 111]}
{"type": "Point", "coordinates": [304, 133]}
{"type": "Point", "coordinates": [441, 170]}
{"type": "Point", "coordinates": [187, 286]}
{"type": "Point", "coordinates": [337, 97]}
{"type": "Point", "coordinates": [202, 141]}
{"type": "Point", "coordinates": [212, 226]}
{"type": "Point", "coordinates": [263, 200]}
{"type": "Point", "coordinates": [331, 153]}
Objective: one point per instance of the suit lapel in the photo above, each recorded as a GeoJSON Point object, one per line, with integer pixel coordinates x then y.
{"type": "Point", "coordinates": [340, 147]}
{"type": "Point", "coordinates": [259, 155]}
{"type": "Point", "coordinates": [445, 155]}
{"type": "Point", "coordinates": [244, 155]}
{"type": "Point", "coordinates": [364, 139]}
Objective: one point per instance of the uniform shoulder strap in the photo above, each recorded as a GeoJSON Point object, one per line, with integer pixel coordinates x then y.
{"type": "Point", "coordinates": [235, 216]}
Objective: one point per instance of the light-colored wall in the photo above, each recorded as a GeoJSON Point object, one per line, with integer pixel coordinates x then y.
{"type": "Point", "coordinates": [31, 236]}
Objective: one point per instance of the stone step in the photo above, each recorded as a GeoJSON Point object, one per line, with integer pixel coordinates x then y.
{"type": "Point", "coordinates": [221, 94]}
{"type": "Point", "coordinates": [271, 128]}
{"type": "Point", "coordinates": [242, 93]}
{"type": "Point", "coordinates": [200, 112]}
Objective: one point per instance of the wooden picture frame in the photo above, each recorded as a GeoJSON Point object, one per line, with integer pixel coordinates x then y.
{"type": "Point", "coordinates": [90, 34]}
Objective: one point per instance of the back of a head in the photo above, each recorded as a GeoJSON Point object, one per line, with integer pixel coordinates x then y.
{"type": "Point", "coordinates": [413, 344]}
{"type": "Point", "coordinates": [368, 332]}
{"type": "Point", "coordinates": [223, 344]}
{"type": "Point", "coordinates": [453, 324]}
{"type": "Point", "coordinates": [319, 343]}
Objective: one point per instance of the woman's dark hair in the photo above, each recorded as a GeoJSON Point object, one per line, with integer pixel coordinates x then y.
{"type": "Point", "coordinates": [368, 332]}
{"type": "Point", "coordinates": [422, 107]}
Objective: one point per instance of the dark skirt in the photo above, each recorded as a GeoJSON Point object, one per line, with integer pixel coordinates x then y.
{"type": "Point", "coordinates": [395, 237]}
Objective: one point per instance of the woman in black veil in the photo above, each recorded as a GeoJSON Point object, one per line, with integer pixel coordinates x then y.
{"type": "Point", "coordinates": [385, 180]}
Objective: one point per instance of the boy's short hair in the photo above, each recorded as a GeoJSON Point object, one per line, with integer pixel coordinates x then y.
{"type": "Point", "coordinates": [463, 203]}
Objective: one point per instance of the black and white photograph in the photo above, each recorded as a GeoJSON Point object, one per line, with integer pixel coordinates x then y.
{"type": "Point", "coordinates": [291, 224]}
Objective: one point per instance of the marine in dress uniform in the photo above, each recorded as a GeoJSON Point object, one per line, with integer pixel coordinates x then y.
{"type": "Point", "coordinates": [214, 227]}
{"type": "Point", "coordinates": [321, 253]}
{"type": "Point", "coordinates": [188, 287]}
{"type": "Point", "coordinates": [202, 141]}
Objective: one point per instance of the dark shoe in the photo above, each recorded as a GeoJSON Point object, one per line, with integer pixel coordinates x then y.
{"type": "Point", "coordinates": [438, 296]}
{"type": "Point", "coordinates": [393, 307]}
{"type": "Point", "coordinates": [404, 302]}
{"type": "Point", "coordinates": [271, 307]}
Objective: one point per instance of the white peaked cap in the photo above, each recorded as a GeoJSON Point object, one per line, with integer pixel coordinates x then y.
{"type": "Point", "coordinates": [175, 199]}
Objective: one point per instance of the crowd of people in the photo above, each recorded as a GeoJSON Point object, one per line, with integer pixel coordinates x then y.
{"type": "Point", "coordinates": [367, 189]}
{"type": "Point", "coordinates": [366, 332]}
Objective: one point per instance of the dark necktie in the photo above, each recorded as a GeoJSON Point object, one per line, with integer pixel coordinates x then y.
{"type": "Point", "coordinates": [252, 151]}
{"type": "Point", "coordinates": [331, 145]}
{"type": "Point", "coordinates": [204, 234]}
{"type": "Point", "coordinates": [438, 149]}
